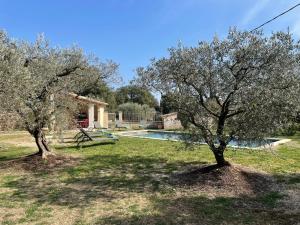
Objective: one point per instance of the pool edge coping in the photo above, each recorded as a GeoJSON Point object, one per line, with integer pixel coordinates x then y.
{"type": "Point", "coordinates": [271, 145]}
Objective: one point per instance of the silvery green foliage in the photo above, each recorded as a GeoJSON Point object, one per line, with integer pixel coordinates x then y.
{"type": "Point", "coordinates": [135, 112]}
{"type": "Point", "coordinates": [245, 86]}
{"type": "Point", "coordinates": [34, 78]}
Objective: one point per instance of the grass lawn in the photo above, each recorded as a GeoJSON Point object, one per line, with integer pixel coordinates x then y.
{"type": "Point", "coordinates": [128, 183]}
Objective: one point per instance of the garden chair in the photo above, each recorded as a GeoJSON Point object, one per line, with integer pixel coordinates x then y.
{"type": "Point", "coordinates": [97, 130]}
{"type": "Point", "coordinates": [85, 136]}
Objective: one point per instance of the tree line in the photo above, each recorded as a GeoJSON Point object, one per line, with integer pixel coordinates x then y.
{"type": "Point", "coordinates": [126, 94]}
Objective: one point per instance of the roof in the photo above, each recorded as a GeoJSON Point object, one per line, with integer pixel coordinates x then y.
{"type": "Point", "coordinates": [86, 99]}
{"type": "Point", "coordinates": [169, 114]}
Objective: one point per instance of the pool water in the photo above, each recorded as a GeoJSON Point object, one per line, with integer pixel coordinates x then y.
{"type": "Point", "coordinates": [180, 136]}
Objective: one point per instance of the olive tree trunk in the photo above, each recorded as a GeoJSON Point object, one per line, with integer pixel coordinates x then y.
{"type": "Point", "coordinates": [219, 155]}
{"type": "Point", "coordinates": [42, 144]}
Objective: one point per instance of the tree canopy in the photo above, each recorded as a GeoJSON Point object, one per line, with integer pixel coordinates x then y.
{"type": "Point", "coordinates": [35, 77]}
{"type": "Point", "coordinates": [244, 86]}
{"type": "Point", "coordinates": [100, 90]}
{"type": "Point", "coordinates": [135, 111]}
{"type": "Point", "coordinates": [166, 104]}
{"type": "Point", "coordinates": [135, 94]}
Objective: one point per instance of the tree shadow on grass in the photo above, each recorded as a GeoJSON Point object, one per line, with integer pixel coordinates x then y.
{"type": "Point", "coordinates": [110, 177]}
{"type": "Point", "coordinates": [73, 145]}
{"type": "Point", "coordinates": [36, 164]}
{"type": "Point", "coordinates": [203, 210]}
{"type": "Point", "coordinates": [103, 177]}
{"type": "Point", "coordinates": [94, 143]}
{"type": "Point", "coordinates": [8, 152]}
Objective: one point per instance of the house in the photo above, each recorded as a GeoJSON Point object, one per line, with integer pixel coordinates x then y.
{"type": "Point", "coordinates": [91, 110]}
{"type": "Point", "coordinates": [170, 121]}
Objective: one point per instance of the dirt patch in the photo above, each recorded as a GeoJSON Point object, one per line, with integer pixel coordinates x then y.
{"type": "Point", "coordinates": [36, 163]}
{"type": "Point", "coordinates": [233, 180]}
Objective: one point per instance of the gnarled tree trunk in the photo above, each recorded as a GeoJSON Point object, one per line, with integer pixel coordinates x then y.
{"type": "Point", "coordinates": [218, 150]}
{"type": "Point", "coordinates": [219, 155]}
{"type": "Point", "coordinates": [41, 142]}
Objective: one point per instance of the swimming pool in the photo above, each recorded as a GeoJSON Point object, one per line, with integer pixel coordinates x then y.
{"type": "Point", "coordinates": [175, 136]}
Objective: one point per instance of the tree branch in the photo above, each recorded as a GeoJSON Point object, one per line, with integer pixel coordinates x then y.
{"type": "Point", "coordinates": [64, 73]}
{"type": "Point", "coordinates": [235, 113]}
{"type": "Point", "coordinates": [68, 71]}
{"type": "Point", "coordinates": [201, 98]}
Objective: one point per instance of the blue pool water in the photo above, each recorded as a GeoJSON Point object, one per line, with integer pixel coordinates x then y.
{"type": "Point", "coordinates": [180, 136]}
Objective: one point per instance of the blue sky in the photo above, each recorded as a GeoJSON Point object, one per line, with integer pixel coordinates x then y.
{"type": "Point", "coordinates": [131, 32]}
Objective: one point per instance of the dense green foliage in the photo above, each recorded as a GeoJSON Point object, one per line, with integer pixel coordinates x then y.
{"type": "Point", "coordinates": [135, 94]}
{"type": "Point", "coordinates": [134, 111]}
{"type": "Point", "coordinates": [103, 92]}
{"type": "Point", "coordinates": [126, 94]}
{"type": "Point", "coordinates": [166, 104]}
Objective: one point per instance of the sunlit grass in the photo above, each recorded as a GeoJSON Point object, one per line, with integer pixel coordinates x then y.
{"type": "Point", "coordinates": [126, 183]}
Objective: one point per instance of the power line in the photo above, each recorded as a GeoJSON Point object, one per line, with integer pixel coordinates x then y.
{"type": "Point", "coordinates": [274, 18]}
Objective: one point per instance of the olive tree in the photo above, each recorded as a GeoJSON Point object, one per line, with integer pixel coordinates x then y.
{"type": "Point", "coordinates": [244, 86]}
{"type": "Point", "coordinates": [135, 94]}
{"type": "Point", "coordinates": [35, 79]}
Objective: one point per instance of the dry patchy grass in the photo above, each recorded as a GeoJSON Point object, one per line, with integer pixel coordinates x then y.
{"type": "Point", "coordinates": [132, 182]}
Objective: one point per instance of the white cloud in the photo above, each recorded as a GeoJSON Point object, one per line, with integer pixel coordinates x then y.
{"type": "Point", "coordinates": [254, 11]}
